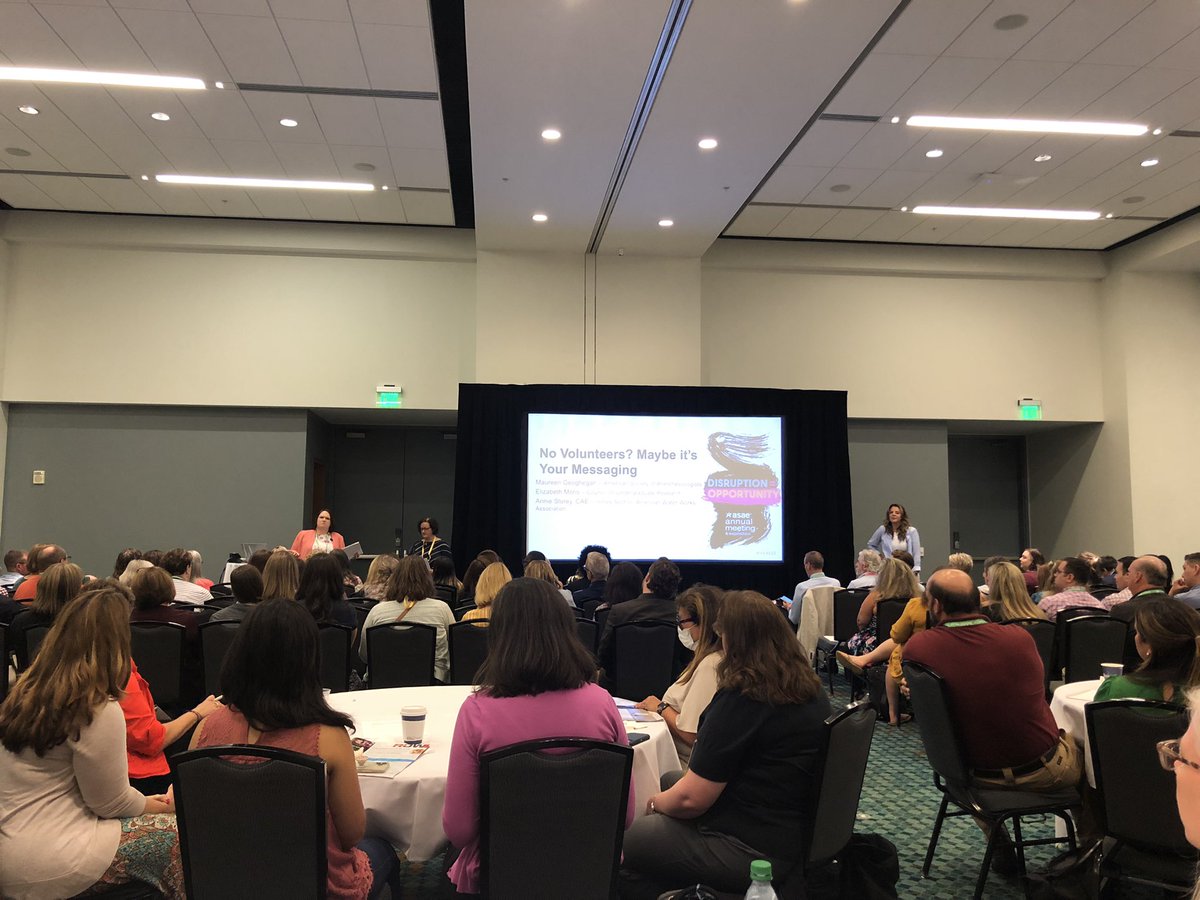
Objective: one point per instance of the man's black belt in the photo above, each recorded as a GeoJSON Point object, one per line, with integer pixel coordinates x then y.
{"type": "Point", "coordinates": [1023, 769]}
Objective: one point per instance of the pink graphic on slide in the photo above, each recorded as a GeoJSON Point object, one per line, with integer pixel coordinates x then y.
{"type": "Point", "coordinates": [743, 492]}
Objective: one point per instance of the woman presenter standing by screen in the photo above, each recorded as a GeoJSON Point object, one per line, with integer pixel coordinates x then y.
{"type": "Point", "coordinates": [322, 539]}
{"type": "Point", "coordinates": [896, 534]}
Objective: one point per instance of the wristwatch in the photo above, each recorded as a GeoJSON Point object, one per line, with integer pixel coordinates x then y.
{"type": "Point", "coordinates": [662, 706]}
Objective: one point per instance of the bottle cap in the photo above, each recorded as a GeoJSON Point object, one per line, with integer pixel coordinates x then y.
{"type": "Point", "coordinates": [760, 870]}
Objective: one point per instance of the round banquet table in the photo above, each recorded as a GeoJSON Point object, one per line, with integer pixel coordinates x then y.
{"type": "Point", "coordinates": [1067, 706]}
{"type": "Point", "coordinates": [405, 806]}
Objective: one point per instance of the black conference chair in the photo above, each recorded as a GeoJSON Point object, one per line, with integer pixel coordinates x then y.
{"type": "Point", "coordinates": [35, 635]}
{"type": "Point", "coordinates": [643, 659]}
{"type": "Point", "coordinates": [335, 655]}
{"type": "Point", "coordinates": [221, 590]}
{"type": "Point", "coordinates": [1101, 592]}
{"type": "Point", "coordinates": [588, 633]}
{"type": "Point", "coordinates": [401, 654]}
{"type": "Point", "coordinates": [887, 614]}
{"type": "Point", "coordinates": [447, 593]}
{"type": "Point", "coordinates": [951, 776]}
{"type": "Point", "coordinates": [600, 616]}
{"type": "Point", "coordinates": [583, 828]}
{"type": "Point", "coordinates": [227, 855]}
{"type": "Point", "coordinates": [1144, 839]}
{"type": "Point", "coordinates": [1089, 641]}
{"type": "Point", "coordinates": [468, 649]}
{"type": "Point", "coordinates": [361, 609]}
{"type": "Point", "coordinates": [5, 661]}
{"type": "Point", "coordinates": [846, 605]}
{"type": "Point", "coordinates": [1042, 631]}
{"type": "Point", "coordinates": [462, 610]}
{"type": "Point", "coordinates": [159, 649]}
{"type": "Point", "coordinates": [846, 745]}
{"type": "Point", "coordinates": [215, 640]}
{"type": "Point", "coordinates": [221, 602]}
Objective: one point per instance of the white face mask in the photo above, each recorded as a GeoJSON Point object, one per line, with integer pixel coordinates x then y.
{"type": "Point", "coordinates": [685, 638]}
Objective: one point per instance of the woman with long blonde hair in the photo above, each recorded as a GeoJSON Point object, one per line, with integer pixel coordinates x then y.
{"type": "Point", "coordinates": [281, 575]}
{"type": "Point", "coordinates": [69, 819]}
{"type": "Point", "coordinates": [494, 577]}
{"type": "Point", "coordinates": [1008, 595]}
{"type": "Point", "coordinates": [381, 570]}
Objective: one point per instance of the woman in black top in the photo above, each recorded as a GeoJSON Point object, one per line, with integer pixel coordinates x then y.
{"type": "Point", "coordinates": [749, 792]}
{"type": "Point", "coordinates": [322, 591]}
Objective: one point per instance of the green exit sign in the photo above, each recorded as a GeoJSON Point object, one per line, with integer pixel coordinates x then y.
{"type": "Point", "coordinates": [1030, 410]}
{"type": "Point", "coordinates": [388, 399]}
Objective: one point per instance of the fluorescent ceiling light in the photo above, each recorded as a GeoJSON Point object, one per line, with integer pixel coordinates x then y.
{"type": "Point", "coordinates": [1147, 163]}
{"type": "Point", "coordinates": [113, 79]}
{"type": "Point", "coordinates": [295, 184]}
{"type": "Point", "coordinates": [707, 143]}
{"type": "Point", "coordinates": [1044, 126]}
{"type": "Point", "coordinates": [540, 217]}
{"type": "Point", "coordinates": [28, 110]}
{"type": "Point", "coordinates": [288, 123]}
{"type": "Point", "coordinates": [933, 154]}
{"type": "Point", "coordinates": [160, 117]}
{"type": "Point", "coordinates": [666, 223]}
{"type": "Point", "coordinates": [1081, 215]}
{"type": "Point", "coordinates": [1043, 157]}
{"type": "Point", "coordinates": [551, 134]}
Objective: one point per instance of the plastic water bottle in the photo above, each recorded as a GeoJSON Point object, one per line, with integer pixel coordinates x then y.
{"type": "Point", "coordinates": [760, 881]}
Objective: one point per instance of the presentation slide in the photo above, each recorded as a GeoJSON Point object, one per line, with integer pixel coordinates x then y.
{"type": "Point", "coordinates": [686, 487]}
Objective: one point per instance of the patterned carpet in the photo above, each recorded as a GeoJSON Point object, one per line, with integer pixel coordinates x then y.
{"type": "Point", "coordinates": [898, 801]}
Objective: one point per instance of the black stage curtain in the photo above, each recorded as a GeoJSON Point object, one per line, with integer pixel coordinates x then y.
{"type": "Point", "coordinates": [489, 484]}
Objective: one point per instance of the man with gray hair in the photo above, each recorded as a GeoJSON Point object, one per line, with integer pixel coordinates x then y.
{"type": "Point", "coordinates": [596, 568]}
{"type": "Point", "coordinates": [866, 566]}
{"type": "Point", "coordinates": [1187, 585]}
{"type": "Point", "coordinates": [814, 567]}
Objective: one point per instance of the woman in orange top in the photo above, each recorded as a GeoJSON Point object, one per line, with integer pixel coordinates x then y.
{"type": "Point", "coordinates": [322, 539]}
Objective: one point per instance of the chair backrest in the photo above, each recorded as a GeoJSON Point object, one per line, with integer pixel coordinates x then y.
{"type": "Point", "coordinates": [643, 658]}
{"type": "Point", "coordinates": [222, 601]}
{"type": "Point", "coordinates": [401, 654]}
{"type": "Point", "coordinates": [335, 655]}
{"type": "Point", "coordinates": [5, 658]}
{"type": "Point", "coordinates": [462, 609]}
{"type": "Point", "coordinates": [157, 649]}
{"type": "Point", "coordinates": [243, 826]}
{"type": "Point", "coordinates": [580, 832]}
{"type": "Point", "coordinates": [446, 592]}
{"type": "Point", "coordinates": [468, 649]}
{"type": "Point", "coordinates": [215, 640]}
{"type": "Point", "coordinates": [34, 636]}
{"type": "Point", "coordinates": [1089, 641]}
{"type": "Point", "coordinates": [600, 616]}
{"type": "Point", "coordinates": [588, 632]}
{"type": "Point", "coordinates": [361, 609]}
{"type": "Point", "coordinates": [1102, 591]}
{"type": "Point", "coordinates": [846, 746]}
{"type": "Point", "coordinates": [1042, 632]}
{"type": "Point", "coordinates": [221, 590]}
{"type": "Point", "coordinates": [939, 734]}
{"type": "Point", "coordinates": [1138, 794]}
{"type": "Point", "coordinates": [846, 605]}
{"type": "Point", "coordinates": [887, 614]}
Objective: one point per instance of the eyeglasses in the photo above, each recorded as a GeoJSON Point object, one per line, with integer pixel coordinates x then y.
{"type": "Point", "coordinates": [679, 623]}
{"type": "Point", "coordinates": [1168, 755]}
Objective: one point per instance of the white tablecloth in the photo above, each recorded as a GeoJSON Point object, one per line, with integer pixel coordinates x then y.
{"type": "Point", "coordinates": [406, 807]}
{"type": "Point", "coordinates": [1067, 706]}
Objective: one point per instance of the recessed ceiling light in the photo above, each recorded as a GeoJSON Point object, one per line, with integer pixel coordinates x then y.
{"type": "Point", "coordinates": [1156, 132]}
{"type": "Point", "coordinates": [364, 167]}
{"type": "Point", "coordinates": [1010, 23]}
{"type": "Point", "coordinates": [839, 188]}
{"type": "Point", "coordinates": [1045, 126]}
{"type": "Point", "coordinates": [295, 184]}
{"type": "Point", "coordinates": [665, 223]}
{"type": "Point", "coordinates": [17, 151]}
{"type": "Point", "coordinates": [113, 79]}
{"type": "Point", "coordinates": [288, 123]}
{"type": "Point", "coordinates": [933, 154]}
{"type": "Point", "coordinates": [160, 117]}
{"type": "Point", "coordinates": [540, 217]}
{"type": "Point", "coordinates": [1133, 199]}
{"type": "Point", "coordinates": [895, 120]}
{"type": "Point", "coordinates": [1109, 216]}
{"type": "Point", "coordinates": [220, 85]}
{"type": "Point", "coordinates": [385, 187]}
{"type": "Point", "coordinates": [904, 209]}
{"type": "Point", "coordinates": [551, 134]}
{"type": "Point", "coordinates": [1081, 215]}
{"type": "Point", "coordinates": [145, 178]}
{"type": "Point", "coordinates": [29, 110]}
{"type": "Point", "coordinates": [707, 144]}
{"type": "Point", "coordinates": [1043, 157]}
{"type": "Point", "coordinates": [1147, 163]}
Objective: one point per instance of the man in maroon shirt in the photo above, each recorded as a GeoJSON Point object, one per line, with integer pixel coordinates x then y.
{"type": "Point", "coordinates": [994, 685]}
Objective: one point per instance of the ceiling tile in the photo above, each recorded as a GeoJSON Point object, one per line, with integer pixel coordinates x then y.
{"type": "Point", "coordinates": [320, 10]}
{"type": "Point", "coordinates": [414, 13]}
{"type": "Point", "coordinates": [758, 221]}
{"type": "Point", "coordinates": [269, 108]}
{"type": "Point", "coordinates": [224, 115]}
{"type": "Point", "coordinates": [251, 48]}
{"type": "Point", "coordinates": [98, 37]}
{"type": "Point", "coordinates": [944, 85]}
{"type": "Point", "coordinates": [399, 58]}
{"type": "Point", "coordinates": [381, 206]}
{"type": "Point", "coordinates": [1080, 28]}
{"type": "Point", "coordinates": [1141, 91]}
{"type": "Point", "coordinates": [420, 168]}
{"type": "Point", "coordinates": [427, 208]}
{"type": "Point", "coordinates": [1011, 86]}
{"type": "Point", "coordinates": [257, 8]}
{"type": "Point", "coordinates": [878, 83]}
{"type": "Point", "coordinates": [17, 191]}
{"type": "Point", "coordinates": [348, 120]}
{"type": "Point", "coordinates": [325, 53]}
{"type": "Point", "coordinates": [27, 39]}
{"type": "Point", "coordinates": [826, 143]}
{"type": "Point", "coordinates": [329, 207]}
{"type": "Point", "coordinates": [847, 225]}
{"type": "Point", "coordinates": [851, 181]}
{"type": "Point", "coordinates": [412, 123]}
{"type": "Point", "coordinates": [790, 184]}
{"type": "Point", "coordinates": [346, 157]}
{"type": "Point", "coordinates": [281, 204]}
{"type": "Point", "coordinates": [191, 156]}
{"type": "Point", "coordinates": [882, 146]}
{"type": "Point", "coordinates": [169, 5]}
{"type": "Point", "coordinates": [802, 223]}
{"type": "Point", "coordinates": [1183, 54]}
{"type": "Point", "coordinates": [250, 159]}
{"type": "Point", "coordinates": [983, 40]}
{"type": "Point", "coordinates": [892, 188]}
{"type": "Point", "coordinates": [125, 196]}
{"type": "Point", "coordinates": [309, 161]}
{"type": "Point", "coordinates": [175, 43]}
{"type": "Point", "coordinates": [70, 193]}
{"type": "Point", "coordinates": [927, 27]}
{"type": "Point", "coordinates": [891, 226]}
{"type": "Point", "coordinates": [1140, 39]}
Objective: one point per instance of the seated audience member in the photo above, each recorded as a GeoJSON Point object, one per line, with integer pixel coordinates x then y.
{"type": "Point", "coordinates": [152, 591]}
{"type": "Point", "coordinates": [580, 580]}
{"type": "Point", "coordinates": [9, 608]}
{"type": "Point", "coordinates": [1121, 583]}
{"type": "Point", "coordinates": [1030, 564]}
{"type": "Point", "coordinates": [273, 698]}
{"type": "Point", "coordinates": [814, 568]}
{"type": "Point", "coordinates": [543, 571]}
{"type": "Point", "coordinates": [41, 557]}
{"type": "Point", "coordinates": [624, 583]}
{"type": "Point", "coordinates": [197, 575]}
{"type": "Point", "coordinates": [1012, 740]}
{"type": "Point", "coordinates": [259, 558]}
{"type": "Point", "coordinates": [532, 556]}
{"type": "Point", "coordinates": [984, 588]}
{"type": "Point", "coordinates": [323, 593]}
{"type": "Point", "coordinates": [442, 569]}
{"type": "Point", "coordinates": [154, 557]}
{"type": "Point", "coordinates": [69, 819]}
{"type": "Point", "coordinates": [961, 561]}
{"type": "Point", "coordinates": [350, 581]}
{"type": "Point", "coordinates": [1105, 571]}
{"type": "Point", "coordinates": [494, 577]}
{"type": "Point", "coordinates": [1187, 586]}
{"type": "Point", "coordinates": [15, 568]}
{"type": "Point", "coordinates": [697, 610]}
{"type": "Point", "coordinates": [131, 569]}
{"type": "Point", "coordinates": [1180, 758]}
{"type": "Point", "coordinates": [1166, 634]}
{"type": "Point", "coordinates": [471, 578]}
{"type": "Point", "coordinates": [596, 568]}
{"type": "Point", "coordinates": [1007, 596]}
{"type": "Point", "coordinates": [409, 598]}
{"type": "Point", "coordinates": [247, 586]}
{"type": "Point", "coordinates": [178, 564]}
{"type": "Point", "coordinates": [1147, 580]}
{"type": "Point", "coordinates": [656, 604]}
{"type": "Point", "coordinates": [896, 581]}
{"type": "Point", "coordinates": [904, 556]}
{"type": "Point", "coordinates": [487, 557]}
{"type": "Point", "coordinates": [1071, 578]}
{"type": "Point", "coordinates": [57, 586]}
{"type": "Point", "coordinates": [430, 545]}
{"type": "Point", "coordinates": [1045, 580]}
{"type": "Point", "coordinates": [748, 793]}
{"type": "Point", "coordinates": [124, 558]}
{"type": "Point", "coordinates": [866, 567]}
{"type": "Point", "coordinates": [281, 576]}
{"type": "Point", "coordinates": [535, 683]}
{"type": "Point", "coordinates": [381, 570]}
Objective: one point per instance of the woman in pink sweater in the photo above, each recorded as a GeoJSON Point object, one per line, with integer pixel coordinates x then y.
{"type": "Point", "coordinates": [537, 682]}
